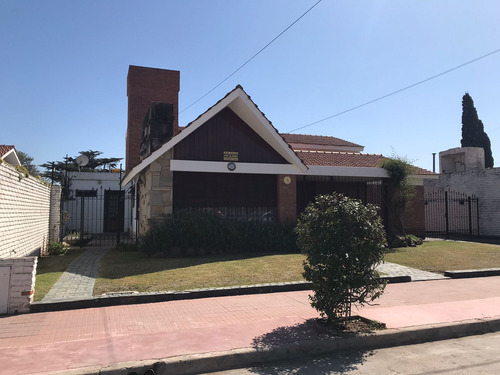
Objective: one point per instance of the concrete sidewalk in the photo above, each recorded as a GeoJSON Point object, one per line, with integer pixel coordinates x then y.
{"type": "Point", "coordinates": [201, 335]}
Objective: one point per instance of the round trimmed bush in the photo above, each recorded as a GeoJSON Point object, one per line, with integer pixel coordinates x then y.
{"type": "Point", "coordinates": [343, 240]}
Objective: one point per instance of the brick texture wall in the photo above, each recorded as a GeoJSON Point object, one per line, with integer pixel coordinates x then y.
{"type": "Point", "coordinates": [485, 184]}
{"type": "Point", "coordinates": [145, 86]}
{"type": "Point", "coordinates": [21, 284]}
{"type": "Point", "coordinates": [24, 213]}
{"type": "Point", "coordinates": [414, 216]}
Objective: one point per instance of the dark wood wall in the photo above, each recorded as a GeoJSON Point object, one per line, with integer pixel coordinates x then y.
{"type": "Point", "coordinates": [224, 189]}
{"type": "Point", "coordinates": [226, 132]}
{"type": "Point", "coordinates": [365, 190]}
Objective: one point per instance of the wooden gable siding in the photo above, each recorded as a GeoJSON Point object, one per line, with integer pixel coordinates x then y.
{"type": "Point", "coordinates": [226, 132]}
{"type": "Point", "coordinates": [224, 189]}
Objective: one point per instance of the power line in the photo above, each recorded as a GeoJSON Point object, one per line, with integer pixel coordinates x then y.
{"type": "Point", "coordinates": [254, 56]}
{"type": "Point", "coordinates": [397, 91]}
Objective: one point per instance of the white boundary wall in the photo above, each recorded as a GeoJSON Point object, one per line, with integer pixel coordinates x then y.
{"type": "Point", "coordinates": [24, 213]}
{"type": "Point", "coordinates": [485, 184]}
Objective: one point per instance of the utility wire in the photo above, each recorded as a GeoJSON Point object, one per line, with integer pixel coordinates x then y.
{"type": "Point", "coordinates": [397, 91]}
{"type": "Point", "coordinates": [254, 56]}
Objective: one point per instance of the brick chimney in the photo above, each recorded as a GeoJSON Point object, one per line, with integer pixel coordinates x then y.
{"type": "Point", "coordinates": [146, 86]}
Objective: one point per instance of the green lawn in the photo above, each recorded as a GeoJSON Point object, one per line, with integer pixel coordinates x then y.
{"type": "Point", "coordinates": [133, 271]}
{"type": "Point", "coordinates": [440, 256]}
{"type": "Point", "coordinates": [50, 269]}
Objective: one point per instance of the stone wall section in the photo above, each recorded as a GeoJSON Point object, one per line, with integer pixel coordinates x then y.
{"type": "Point", "coordinates": [24, 213]}
{"type": "Point", "coordinates": [485, 184]}
{"type": "Point", "coordinates": [55, 213]}
{"type": "Point", "coordinates": [155, 198]}
{"type": "Point", "coordinates": [21, 286]}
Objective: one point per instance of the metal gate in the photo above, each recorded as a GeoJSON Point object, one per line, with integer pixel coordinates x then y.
{"type": "Point", "coordinates": [451, 213]}
{"type": "Point", "coordinates": [98, 218]}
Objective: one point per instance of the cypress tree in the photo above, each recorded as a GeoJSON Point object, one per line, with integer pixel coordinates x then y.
{"type": "Point", "coordinates": [485, 143]}
{"type": "Point", "coordinates": [473, 134]}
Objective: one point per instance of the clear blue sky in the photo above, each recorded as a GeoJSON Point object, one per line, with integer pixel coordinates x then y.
{"type": "Point", "coordinates": [64, 64]}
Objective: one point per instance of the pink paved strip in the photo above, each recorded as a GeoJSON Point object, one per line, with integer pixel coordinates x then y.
{"type": "Point", "coordinates": [71, 339]}
{"type": "Point", "coordinates": [438, 301]}
{"type": "Point", "coordinates": [46, 342]}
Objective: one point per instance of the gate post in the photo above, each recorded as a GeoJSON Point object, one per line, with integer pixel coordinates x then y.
{"type": "Point", "coordinates": [446, 213]}
{"type": "Point", "coordinates": [469, 201]}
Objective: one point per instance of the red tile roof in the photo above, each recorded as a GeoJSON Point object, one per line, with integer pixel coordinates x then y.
{"type": "Point", "coordinates": [344, 159]}
{"type": "Point", "coordinates": [317, 140]}
{"type": "Point", "coordinates": [4, 149]}
{"type": "Point", "coordinates": [340, 159]}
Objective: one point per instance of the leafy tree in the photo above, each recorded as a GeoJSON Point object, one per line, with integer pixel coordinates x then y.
{"type": "Point", "coordinates": [473, 134]}
{"type": "Point", "coordinates": [400, 192]}
{"type": "Point", "coordinates": [343, 241]}
{"type": "Point", "coordinates": [27, 162]}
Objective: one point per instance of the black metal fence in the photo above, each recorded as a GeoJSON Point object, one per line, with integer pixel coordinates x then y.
{"type": "Point", "coordinates": [451, 213]}
{"type": "Point", "coordinates": [95, 218]}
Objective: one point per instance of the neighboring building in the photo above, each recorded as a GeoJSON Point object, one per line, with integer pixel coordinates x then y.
{"type": "Point", "coordinates": [472, 195]}
{"type": "Point", "coordinates": [9, 155]}
{"type": "Point", "coordinates": [98, 204]}
{"type": "Point", "coordinates": [231, 160]}
{"type": "Point", "coordinates": [461, 159]}
{"type": "Point", "coordinates": [29, 219]}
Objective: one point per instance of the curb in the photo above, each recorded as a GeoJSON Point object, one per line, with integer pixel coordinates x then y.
{"type": "Point", "coordinates": [464, 274]}
{"type": "Point", "coordinates": [249, 357]}
{"type": "Point", "coordinates": [133, 298]}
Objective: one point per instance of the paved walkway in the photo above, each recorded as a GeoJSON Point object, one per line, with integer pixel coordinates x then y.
{"type": "Point", "coordinates": [393, 269]}
{"type": "Point", "coordinates": [77, 282]}
{"type": "Point", "coordinates": [60, 341]}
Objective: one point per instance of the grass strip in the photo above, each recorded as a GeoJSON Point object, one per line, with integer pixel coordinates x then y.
{"type": "Point", "coordinates": [439, 256]}
{"type": "Point", "coordinates": [133, 271]}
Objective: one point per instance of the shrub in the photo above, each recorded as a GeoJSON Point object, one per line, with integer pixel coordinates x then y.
{"type": "Point", "coordinates": [56, 248]}
{"type": "Point", "coordinates": [401, 192]}
{"type": "Point", "coordinates": [408, 240]}
{"type": "Point", "coordinates": [343, 241]}
{"type": "Point", "coordinates": [190, 234]}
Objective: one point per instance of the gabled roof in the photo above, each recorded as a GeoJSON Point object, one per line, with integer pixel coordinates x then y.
{"type": "Point", "coordinates": [241, 104]}
{"type": "Point", "coordinates": [8, 153]}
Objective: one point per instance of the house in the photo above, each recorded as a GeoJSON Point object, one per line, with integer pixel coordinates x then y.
{"type": "Point", "coordinates": [232, 160]}
{"type": "Point", "coordinates": [9, 155]}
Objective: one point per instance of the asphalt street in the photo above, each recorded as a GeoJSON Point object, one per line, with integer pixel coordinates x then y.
{"type": "Point", "coordinates": [468, 355]}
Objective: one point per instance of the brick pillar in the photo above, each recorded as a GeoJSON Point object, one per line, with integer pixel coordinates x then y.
{"type": "Point", "coordinates": [287, 198]}
{"type": "Point", "coordinates": [145, 86]}
{"type": "Point", "coordinates": [414, 216]}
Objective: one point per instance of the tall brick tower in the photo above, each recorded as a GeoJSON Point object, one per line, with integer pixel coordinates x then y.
{"type": "Point", "coordinates": [146, 86]}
